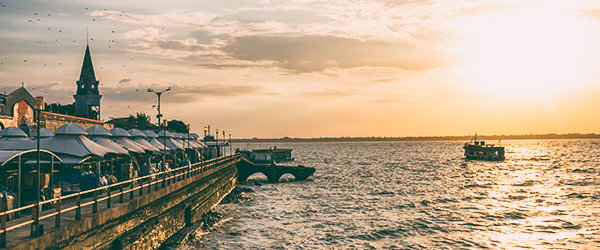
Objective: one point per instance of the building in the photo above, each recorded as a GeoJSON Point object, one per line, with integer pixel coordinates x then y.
{"type": "Point", "coordinates": [16, 108]}
{"type": "Point", "coordinates": [87, 97]}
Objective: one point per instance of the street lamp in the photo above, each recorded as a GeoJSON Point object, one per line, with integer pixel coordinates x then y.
{"type": "Point", "coordinates": [217, 144]}
{"type": "Point", "coordinates": [158, 95]}
{"type": "Point", "coordinates": [224, 140]}
{"type": "Point", "coordinates": [164, 158]}
{"type": "Point", "coordinates": [230, 146]}
{"type": "Point", "coordinates": [205, 129]}
{"type": "Point", "coordinates": [39, 106]}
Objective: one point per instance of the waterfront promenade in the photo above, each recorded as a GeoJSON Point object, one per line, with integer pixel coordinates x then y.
{"type": "Point", "coordinates": [74, 215]}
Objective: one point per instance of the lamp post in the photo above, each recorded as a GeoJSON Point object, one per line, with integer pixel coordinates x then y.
{"type": "Point", "coordinates": [230, 146]}
{"type": "Point", "coordinates": [224, 140]}
{"type": "Point", "coordinates": [35, 227]}
{"type": "Point", "coordinates": [217, 144]}
{"type": "Point", "coordinates": [164, 158]}
{"type": "Point", "coordinates": [188, 140]}
{"type": "Point", "coordinates": [158, 93]}
{"type": "Point", "coordinates": [205, 129]}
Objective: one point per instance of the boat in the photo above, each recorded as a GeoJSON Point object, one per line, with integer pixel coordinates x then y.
{"type": "Point", "coordinates": [478, 150]}
{"type": "Point", "coordinates": [271, 155]}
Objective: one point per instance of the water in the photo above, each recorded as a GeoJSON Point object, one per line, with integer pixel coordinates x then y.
{"type": "Point", "coordinates": [422, 195]}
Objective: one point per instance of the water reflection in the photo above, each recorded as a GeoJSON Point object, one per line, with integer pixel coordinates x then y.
{"type": "Point", "coordinates": [423, 195]}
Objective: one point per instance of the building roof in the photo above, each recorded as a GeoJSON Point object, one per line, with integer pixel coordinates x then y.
{"type": "Point", "coordinates": [119, 132]}
{"type": "Point", "coordinates": [70, 129]}
{"type": "Point", "coordinates": [87, 76]}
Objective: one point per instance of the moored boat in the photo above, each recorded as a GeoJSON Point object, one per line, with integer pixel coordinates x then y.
{"type": "Point", "coordinates": [478, 150]}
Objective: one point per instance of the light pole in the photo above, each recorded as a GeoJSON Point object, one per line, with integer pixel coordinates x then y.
{"type": "Point", "coordinates": [188, 139]}
{"type": "Point", "coordinates": [224, 140]}
{"type": "Point", "coordinates": [230, 146]}
{"type": "Point", "coordinates": [204, 150]}
{"type": "Point", "coordinates": [165, 125]}
{"type": "Point", "coordinates": [39, 106]}
{"type": "Point", "coordinates": [158, 95]}
{"type": "Point", "coordinates": [217, 139]}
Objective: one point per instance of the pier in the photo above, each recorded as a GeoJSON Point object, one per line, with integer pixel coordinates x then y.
{"type": "Point", "coordinates": [140, 213]}
{"type": "Point", "coordinates": [272, 171]}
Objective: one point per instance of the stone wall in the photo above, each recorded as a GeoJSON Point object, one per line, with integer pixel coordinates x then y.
{"type": "Point", "coordinates": [148, 221]}
{"type": "Point", "coordinates": [53, 121]}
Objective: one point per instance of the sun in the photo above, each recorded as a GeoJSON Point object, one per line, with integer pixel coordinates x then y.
{"type": "Point", "coordinates": [528, 51]}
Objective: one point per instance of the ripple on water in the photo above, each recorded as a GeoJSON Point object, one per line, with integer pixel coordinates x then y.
{"type": "Point", "coordinates": [423, 195]}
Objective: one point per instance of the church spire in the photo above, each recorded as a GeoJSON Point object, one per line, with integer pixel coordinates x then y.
{"type": "Point", "coordinates": [87, 97]}
{"type": "Point", "coordinates": [87, 84]}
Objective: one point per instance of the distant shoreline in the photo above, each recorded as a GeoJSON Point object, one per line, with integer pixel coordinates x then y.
{"type": "Point", "coordinates": [424, 138]}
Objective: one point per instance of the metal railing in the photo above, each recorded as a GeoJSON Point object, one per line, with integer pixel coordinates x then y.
{"type": "Point", "coordinates": [165, 177]}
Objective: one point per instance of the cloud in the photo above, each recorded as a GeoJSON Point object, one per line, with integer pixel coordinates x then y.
{"type": "Point", "coordinates": [310, 54]}
{"type": "Point", "coordinates": [178, 93]}
{"type": "Point", "coordinates": [329, 93]}
{"type": "Point", "coordinates": [282, 16]}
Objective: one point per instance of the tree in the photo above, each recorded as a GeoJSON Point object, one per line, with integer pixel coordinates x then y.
{"type": "Point", "coordinates": [177, 126]}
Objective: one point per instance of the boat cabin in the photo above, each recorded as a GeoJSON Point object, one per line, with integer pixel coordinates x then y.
{"type": "Point", "coordinates": [268, 155]}
{"type": "Point", "coordinates": [478, 150]}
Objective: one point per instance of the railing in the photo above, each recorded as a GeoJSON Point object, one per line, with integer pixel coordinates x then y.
{"type": "Point", "coordinates": [165, 177]}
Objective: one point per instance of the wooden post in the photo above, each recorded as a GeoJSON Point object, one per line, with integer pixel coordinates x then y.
{"type": "Point", "coordinates": [141, 187]}
{"type": "Point", "coordinates": [121, 192]}
{"type": "Point", "coordinates": [3, 226]}
{"type": "Point", "coordinates": [95, 206]}
{"type": "Point", "coordinates": [131, 190]}
{"type": "Point", "coordinates": [108, 201]}
{"type": "Point", "coordinates": [57, 220]}
{"type": "Point", "coordinates": [34, 226]}
{"type": "Point", "coordinates": [78, 210]}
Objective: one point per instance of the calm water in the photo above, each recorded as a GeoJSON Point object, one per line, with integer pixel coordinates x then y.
{"type": "Point", "coordinates": [422, 195]}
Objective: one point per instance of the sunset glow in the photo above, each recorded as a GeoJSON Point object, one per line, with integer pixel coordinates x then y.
{"type": "Point", "coordinates": [320, 68]}
{"type": "Point", "coordinates": [530, 51]}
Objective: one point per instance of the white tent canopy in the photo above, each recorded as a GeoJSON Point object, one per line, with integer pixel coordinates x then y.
{"type": "Point", "coordinates": [120, 137]}
{"type": "Point", "coordinates": [100, 135]}
{"type": "Point", "coordinates": [139, 138]}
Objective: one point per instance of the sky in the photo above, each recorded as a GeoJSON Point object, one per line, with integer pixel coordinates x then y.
{"type": "Point", "coordinates": [304, 68]}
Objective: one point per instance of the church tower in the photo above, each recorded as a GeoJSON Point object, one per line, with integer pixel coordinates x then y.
{"type": "Point", "coordinates": [87, 98]}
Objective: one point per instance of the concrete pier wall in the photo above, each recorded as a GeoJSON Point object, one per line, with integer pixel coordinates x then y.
{"type": "Point", "coordinates": [146, 222]}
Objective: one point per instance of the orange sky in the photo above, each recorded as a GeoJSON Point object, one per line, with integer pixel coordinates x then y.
{"type": "Point", "coordinates": [320, 68]}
